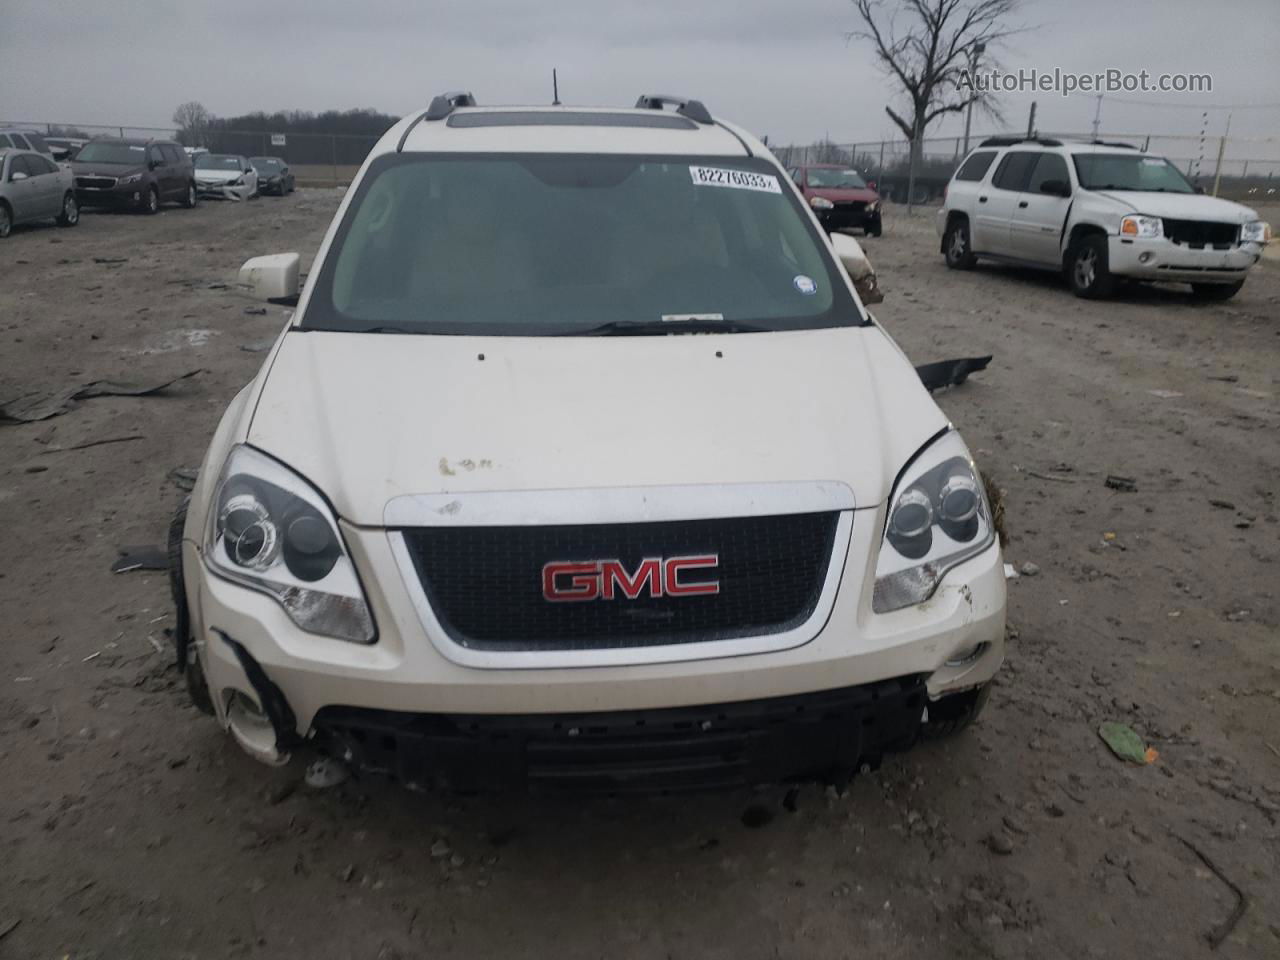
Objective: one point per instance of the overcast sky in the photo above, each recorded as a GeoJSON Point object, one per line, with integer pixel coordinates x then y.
{"type": "Point", "coordinates": [780, 67]}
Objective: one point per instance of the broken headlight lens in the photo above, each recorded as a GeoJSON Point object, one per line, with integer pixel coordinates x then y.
{"type": "Point", "coordinates": [821, 203]}
{"type": "Point", "coordinates": [1257, 231]}
{"type": "Point", "coordinates": [938, 517]}
{"type": "Point", "coordinates": [271, 531]}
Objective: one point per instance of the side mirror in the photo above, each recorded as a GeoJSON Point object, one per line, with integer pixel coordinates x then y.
{"type": "Point", "coordinates": [273, 277]}
{"type": "Point", "coordinates": [154, 163]}
{"type": "Point", "coordinates": [871, 185]}
{"type": "Point", "coordinates": [17, 175]}
{"type": "Point", "coordinates": [248, 169]}
{"type": "Point", "coordinates": [1056, 188]}
{"type": "Point", "coordinates": [857, 266]}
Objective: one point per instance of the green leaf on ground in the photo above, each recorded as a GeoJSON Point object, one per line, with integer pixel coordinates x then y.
{"type": "Point", "coordinates": [1123, 741]}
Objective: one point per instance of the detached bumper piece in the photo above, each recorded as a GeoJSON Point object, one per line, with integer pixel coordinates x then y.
{"type": "Point", "coordinates": [819, 736]}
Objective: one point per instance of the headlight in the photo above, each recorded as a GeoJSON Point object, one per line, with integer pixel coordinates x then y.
{"type": "Point", "coordinates": [1140, 226]}
{"type": "Point", "coordinates": [1259, 231]}
{"type": "Point", "coordinates": [938, 517]}
{"type": "Point", "coordinates": [131, 178]}
{"type": "Point", "coordinates": [237, 182]}
{"type": "Point", "coordinates": [820, 203]}
{"type": "Point", "coordinates": [873, 206]}
{"type": "Point", "coordinates": [271, 531]}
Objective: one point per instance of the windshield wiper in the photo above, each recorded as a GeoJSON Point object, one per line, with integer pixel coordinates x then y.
{"type": "Point", "coordinates": [661, 328]}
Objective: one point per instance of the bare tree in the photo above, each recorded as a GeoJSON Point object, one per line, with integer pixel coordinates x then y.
{"type": "Point", "coordinates": [928, 57]}
{"type": "Point", "coordinates": [192, 120]}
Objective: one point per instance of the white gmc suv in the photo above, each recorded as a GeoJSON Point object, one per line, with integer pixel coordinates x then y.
{"type": "Point", "coordinates": [1095, 211]}
{"type": "Point", "coordinates": [581, 464]}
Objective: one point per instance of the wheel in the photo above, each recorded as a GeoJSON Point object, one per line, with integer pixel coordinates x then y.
{"type": "Point", "coordinates": [151, 202]}
{"type": "Point", "coordinates": [6, 221]}
{"type": "Point", "coordinates": [188, 661]}
{"type": "Point", "coordinates": [1214, 292]}
{"type": "Point", "coordinates": [70, 215]}
{"type": "Point", "coordinates": [874, 228]}
{"type": "Point", "coordinates": [956, 245]}
{"type": "Point", "coordinates": [192, 198]}
{"type": "Point", "coordinates": [1087, 269]}
{"type": "Point", "coordinates": [949, 715]}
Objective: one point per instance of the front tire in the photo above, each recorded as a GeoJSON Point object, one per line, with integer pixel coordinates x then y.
{"type": "Point", "coordinates": [188, 659]}
{"type": "Point", "coordinates": [151, 201]}
{"type": "Point", "coordinates": [192, 198]}
{"type": "Point", "coordinates": [1088, 270]}
{"type": "Point", "coordinates": [6, 221]}
{"type": "Point", "coordinates": [1215, 292]}
{"type": "Point", "coordinates": [70, 215]}
{"type": "Point", "coordinates": [874, 228]}
{"type": "Point", "coordinates": [949, 715]}
{"type": "Point", "coordinates": [957, 247]}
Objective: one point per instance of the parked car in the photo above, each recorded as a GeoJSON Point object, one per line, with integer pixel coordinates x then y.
{"type": "Point", "coordinates": [274, 175]}
{"type": "Point", "coordinates": [64, 149]}
{"type": "Point", "coordinates": [1096, 211]}
{"type": "Point", "coordinates": [135, 174]}
{"type": "Point", "coordinates": [227, 176]}
{"type": "Point", "coordinates": [839, 196]}
{"type": "Point", "coordinates": [33, 187]}
{"type": "Point", "coordinates": [580, 463]}
{"type": "Point", "coordinates": [20, 138]}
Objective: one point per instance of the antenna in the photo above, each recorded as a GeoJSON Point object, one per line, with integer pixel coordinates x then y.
{"type": "Point", "coordinates": [555, 89]}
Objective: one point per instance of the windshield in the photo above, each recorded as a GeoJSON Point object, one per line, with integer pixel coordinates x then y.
{"type": "Point", "coordinates": [106, 152]}
{"type": "Point", "coordinates": [266, 163]}
{"type": "Point", "coordinates": [545, 245]}
{"type": "Point", "coordinates": [1129, 171]}
{"type": "Point", "coordinates": [218, 161]}
{"type": "Point", "coordinates": [836, 179]}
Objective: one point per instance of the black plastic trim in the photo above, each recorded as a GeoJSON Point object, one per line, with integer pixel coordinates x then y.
{"type": "Point", "coordinates": [274, 704]}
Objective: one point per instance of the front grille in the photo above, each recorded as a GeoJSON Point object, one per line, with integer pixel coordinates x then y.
{"type": "Point", "coordinates": [485, 583]}
{"type": "Point", "coordinates": [1199, 234]}
{"type": "Point", "coordinates": [851, 206]}
{"type": "Point", "coordinates": [96, 183]}
{"type": "Point", "coordinates": [824, 734]}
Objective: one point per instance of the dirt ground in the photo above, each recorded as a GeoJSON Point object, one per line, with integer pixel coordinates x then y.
{"type": "Point", "coordinates": [130, 827]}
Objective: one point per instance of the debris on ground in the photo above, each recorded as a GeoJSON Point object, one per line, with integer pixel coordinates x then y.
{"type": "Point", "coordinates": [146, 557]}
{"type": "Point", "coordinates": [1165, 394]}
{"type": "Point", "coordinates": [256, 311]}
{"type": "Point", "coordinates": [950, 373]}
{"type": "Point", "coordinates": [326, 772]}
{"type": "Point", "coordinates": [1048, 476]}
{"type": "Point", "coordinates": [1222, 930]}
{"type": "Point", "coordinates": [42, 406]}
{"type": "Point", "coordinates": [1000, 842]}
{"type": "Point", "coordinates": [1124, 484]}
{"type": "Point", "coordinates": [1029, 569]}
{"type": "Point", "coordinates": [1125, 743]}
{"type": "Point", "coordinates": [94, 443]}
{"type": "Point", "coordinates": [1010, 572]}
{"type": "Point", "coordinates": [257, 346]}
{"type": "Point", "coordinates": [184, 477]}
{"type": "Point", "coordinates": [1221, 504]}
{"type": "Point", "coordinates": [110, 259]}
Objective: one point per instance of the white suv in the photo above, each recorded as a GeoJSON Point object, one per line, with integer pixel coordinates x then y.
{"type": "Point", "coordinates": [580, 463]}
{"type": "Point", "coordinates": [1096, 211]}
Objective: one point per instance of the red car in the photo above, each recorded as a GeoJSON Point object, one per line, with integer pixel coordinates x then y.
{"type": "Point", "coordinates": [839, 196]}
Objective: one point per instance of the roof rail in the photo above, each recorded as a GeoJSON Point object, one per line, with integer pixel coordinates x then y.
{"type": "Point", "coordinates": [1113, 143]}
{"type": "Point", "coordinates": [444, 104]}
{"type": "Point", "coordinates": [693, 109]}
{"type": "Point", "coordinates": [1010, 141]}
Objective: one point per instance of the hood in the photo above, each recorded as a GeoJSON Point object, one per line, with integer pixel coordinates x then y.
{"type": "Point", "coordinates": [837, 195]}
{"type": "Point", "coordinates": [219, 176]}
{"type": "Point", "coordinates": [1181, 206]}
{"type": "Point", "coordinates": [106, 169]}
{"type": "Point", "coordinates": [369, 417]}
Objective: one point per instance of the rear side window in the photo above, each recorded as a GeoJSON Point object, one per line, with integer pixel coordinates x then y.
{"type": "Point", "coordinates": [976, 167]}
{"type": "Point", "coordinates": [37, 142]}
{"type": "Point", "coordinates": [1050, 166]}
{"type": "Point", "coordinates": [171, 154]}
{"type": "Point", "coordinates": [1014, 171]}
{"type": "Point", "coordinates": [40, 165]}
{"type": "Point", "coordinates": [5, 141]}
{"type": "Point", "coordinates": [19, 141]}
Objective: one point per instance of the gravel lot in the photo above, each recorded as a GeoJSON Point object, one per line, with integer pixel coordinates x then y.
{"type": "Point", "coordinates": [132, 828]}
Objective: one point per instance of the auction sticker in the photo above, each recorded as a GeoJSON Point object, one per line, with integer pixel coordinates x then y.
{"type": "Point", "coordinates": [734, 179]}
{"type": "Point", "coordinates": [805, 285]}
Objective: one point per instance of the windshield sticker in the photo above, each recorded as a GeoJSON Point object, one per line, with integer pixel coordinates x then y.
{"type": "Point", "coordinates": [688, 317]}
{"type": "Point", "coordinates": [734, 179]}
{"type": "Point", "coordinates": [805, 285]}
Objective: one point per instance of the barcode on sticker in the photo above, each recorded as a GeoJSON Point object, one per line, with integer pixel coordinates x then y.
{"type": "Point", "coordinates": [735, 179]}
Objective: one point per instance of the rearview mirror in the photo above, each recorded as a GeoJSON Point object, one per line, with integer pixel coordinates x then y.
{"type": "Point", "coordinates": [273, 277]}
{"type": "Point", "coordinates": [1056, 188]}
{"type": "Point", "coordinates": [857, 266]}
{"type": "Point", "coordinates": [16, 176]}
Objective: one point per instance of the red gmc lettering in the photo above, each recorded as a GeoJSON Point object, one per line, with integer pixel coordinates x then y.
{"type": "Point", "coordinates": [610, 580]}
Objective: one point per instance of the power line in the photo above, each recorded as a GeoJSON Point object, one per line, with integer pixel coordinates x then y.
{"type": "Point", "coordinates": [1183, 105]}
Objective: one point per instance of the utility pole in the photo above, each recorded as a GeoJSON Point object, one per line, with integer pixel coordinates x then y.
{"type": "Point", "coordinates": [555, 88]}
{"type": "Point", "coordinates": [1097, 117]}
{"type": "Point", "coordinates": [974, 52]}
{"type": "Point", "coordinates": [1222, 147]}
{"type": "Point", "coordinates": [1031, 121]}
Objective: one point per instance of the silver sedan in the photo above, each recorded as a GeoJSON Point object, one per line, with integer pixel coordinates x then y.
{"type": "Point", "coordinates": [33, 187]}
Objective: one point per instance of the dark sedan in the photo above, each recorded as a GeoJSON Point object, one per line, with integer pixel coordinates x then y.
{"type": "Point", "coordinates": [274, 175]}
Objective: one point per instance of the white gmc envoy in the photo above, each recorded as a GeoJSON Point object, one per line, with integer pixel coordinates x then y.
{"type": "Point", "coordinates": [1095, 211]}
{"type": "Point", "coordinates": [580, 464]}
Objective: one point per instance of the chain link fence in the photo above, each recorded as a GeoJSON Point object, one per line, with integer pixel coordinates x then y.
{"type": "Point", "coordinates": [1241, 168]}
{"type": "Point", "coordinates": [317, 159]}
